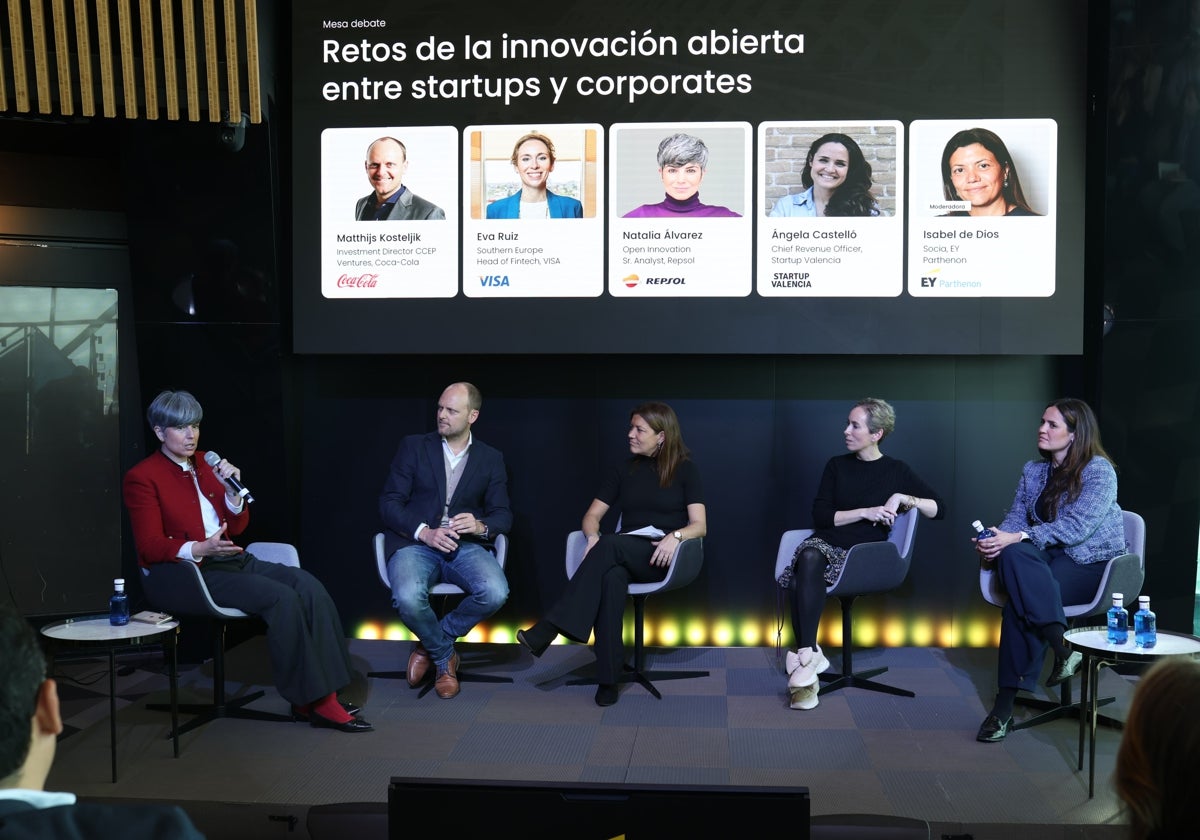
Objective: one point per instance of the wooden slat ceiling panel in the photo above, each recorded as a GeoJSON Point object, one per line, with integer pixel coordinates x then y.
{"type": "Point", "coordinates": [139, 58]}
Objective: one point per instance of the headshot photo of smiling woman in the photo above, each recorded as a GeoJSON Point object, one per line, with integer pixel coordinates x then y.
{"type": "Point", "coordinates": [533, 160]}
{"type": "Point", "coordinates": [836, 180]}
{"type": "Point", "coordinates": [977, 168]}
{"type": "Point", "coordinates": [683, 162]}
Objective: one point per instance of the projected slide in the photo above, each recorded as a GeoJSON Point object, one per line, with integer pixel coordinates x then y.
{"type": "Point", "coordinates": [679, 224]}
{"type": "Point", "coordinates": [983, 206]}
{"type": "Point", "coordinates": [534, 225]}
{"type": "Point", "coordinates": [400, 240]}
{"type": "Point", "coordinates": [831, 218]}
{"type": "Point", "coordinates": [784, 177]}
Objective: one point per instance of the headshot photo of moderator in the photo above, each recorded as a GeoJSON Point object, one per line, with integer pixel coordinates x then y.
{"type": "Point", "coordinates": [834, 180]}
{"type": "Point", "coordinates": [390, 200]}
{"type": "Point", "coordinates": [533, 160]}
{"type": "Point", "coordinates": [978, 169]}
{"type": "Point", "coordinates": [682, 164]}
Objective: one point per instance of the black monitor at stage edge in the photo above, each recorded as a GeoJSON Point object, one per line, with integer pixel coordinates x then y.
{"type": "Point", "coordinates": [959, 110]}
{"type": "Point", "coordinates": [589, 811]}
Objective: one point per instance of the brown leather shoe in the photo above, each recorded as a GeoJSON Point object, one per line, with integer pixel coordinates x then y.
{"type": "Point", "coordinates": [446, 684]}
{"type": "Point", "coordinates": [419, 664]}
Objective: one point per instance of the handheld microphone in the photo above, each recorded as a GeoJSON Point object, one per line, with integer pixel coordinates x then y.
{"type": "Point", "coordinates": [212, 459]}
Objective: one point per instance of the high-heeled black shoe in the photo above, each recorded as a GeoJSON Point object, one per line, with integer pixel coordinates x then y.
{"type": "Point", "coordinates": [523, 636]}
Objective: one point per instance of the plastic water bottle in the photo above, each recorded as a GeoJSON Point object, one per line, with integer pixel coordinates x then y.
{"type": "Point", "coordinates": [1118, 621]}
{"type": "Point", "coordinates": [118, 604]}
{"type": "Point", "coordinates": [1145, 624]}
{"type": "Point", "coordinates": [982, 533]}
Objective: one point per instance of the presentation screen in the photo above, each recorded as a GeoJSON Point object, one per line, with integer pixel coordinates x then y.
{"type": "Point", "coordinates": [777, 177]}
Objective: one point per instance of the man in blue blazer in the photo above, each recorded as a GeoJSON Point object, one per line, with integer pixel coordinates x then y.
{"type": "Point", "coordinates": [30, 723]}
{"type": "Point", "coordinates": [444, 502]}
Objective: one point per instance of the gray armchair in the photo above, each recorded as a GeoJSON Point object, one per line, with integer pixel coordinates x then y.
{"type": "Point", "coordinates": [443, 590]}
{"type": "Point", "coordinates": [1124, 573]}
{"type": "Point", "coordinates": [870, 568]}
{"type": "Point", "coordinates": [684, 568]}
{"type": "Point", "coordinates": [179, 589]}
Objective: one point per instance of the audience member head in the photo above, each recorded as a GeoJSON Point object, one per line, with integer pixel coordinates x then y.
{"type": "Point", "coordinates": [1157, 773]}
{"type": "Point", "coordinates": [840, 167]}
{"type": "Point", "coordinates": [30, 721]}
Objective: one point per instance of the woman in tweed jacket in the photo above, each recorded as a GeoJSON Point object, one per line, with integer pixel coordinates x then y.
{"type": "Point", "coordinates": [1051, 549]}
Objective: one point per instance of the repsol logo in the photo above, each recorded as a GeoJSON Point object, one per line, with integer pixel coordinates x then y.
{"type": "Point", "coordinates": [664, 281]}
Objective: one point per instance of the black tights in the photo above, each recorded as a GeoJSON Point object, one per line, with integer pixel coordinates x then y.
{"type": "Point", "coordinates": [806, 595]}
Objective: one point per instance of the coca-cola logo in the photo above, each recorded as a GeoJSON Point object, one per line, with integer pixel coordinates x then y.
{"type": "Point", "coordinates": [362, 281]}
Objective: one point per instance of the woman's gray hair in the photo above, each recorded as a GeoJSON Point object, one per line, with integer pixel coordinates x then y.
{"type": "Point", "coordinates": [174, 408]}
{"type": "Point", "coordinates": [681, 149]}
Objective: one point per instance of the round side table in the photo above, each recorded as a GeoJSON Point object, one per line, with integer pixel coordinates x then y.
{"type": "Point", "coordinates": [97, 632]}
{"type": "Point", "coordinates": [1093, 643]}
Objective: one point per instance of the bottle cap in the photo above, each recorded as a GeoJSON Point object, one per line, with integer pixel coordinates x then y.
{"type": "Point", "coordinates": [1144, 600]}
{"type": "Point", "coordinates": [977, 525]}
{"type": "Point", "coordinates": [119, 583]}
{"type": "Point", "coordinates": [1118, 598]}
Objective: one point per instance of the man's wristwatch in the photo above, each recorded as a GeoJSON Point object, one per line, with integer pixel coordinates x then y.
{"type": "Point", "coordinates": [485, 529]}
{"type": "Point", "coordinates": [679, 536]}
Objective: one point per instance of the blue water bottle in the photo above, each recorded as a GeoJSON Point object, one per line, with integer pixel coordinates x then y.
{"type": "Point", "coordinates": [982, 533]}
{"type": "Point", "coordinates": [1118, 621]}
{"type": "Point", "coordinates": [118, 604]}
{"type": "Point", "coordinates": [1145, 624]}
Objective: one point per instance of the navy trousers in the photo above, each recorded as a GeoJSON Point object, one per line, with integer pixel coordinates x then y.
{"type": "Point", "coordinates": [1038, 583]}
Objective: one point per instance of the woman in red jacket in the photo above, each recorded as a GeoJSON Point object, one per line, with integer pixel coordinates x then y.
{"type": "Point", "coordinates": [183, 511]}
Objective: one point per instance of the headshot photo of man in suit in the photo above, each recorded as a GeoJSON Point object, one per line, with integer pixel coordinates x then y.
{"type": "Point", "coordinates": [390, 200]}
{"type": "Point", "coordinates": [443, 504]}
{"type": "Point", "coordinates": [30, 723]}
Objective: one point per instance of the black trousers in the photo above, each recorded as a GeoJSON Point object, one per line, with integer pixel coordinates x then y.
{"type": "Point", "coordinates": [305, 637]}
{"type": "Point", "coordinates": [595, 598]}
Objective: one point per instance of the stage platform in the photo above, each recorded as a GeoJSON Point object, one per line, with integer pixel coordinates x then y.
{"type": "Point", "coordinates": [858, 752]}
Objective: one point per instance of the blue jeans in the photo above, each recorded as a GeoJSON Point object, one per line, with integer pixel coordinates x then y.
{"type": "Point", "coordinates": [413, 571]}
